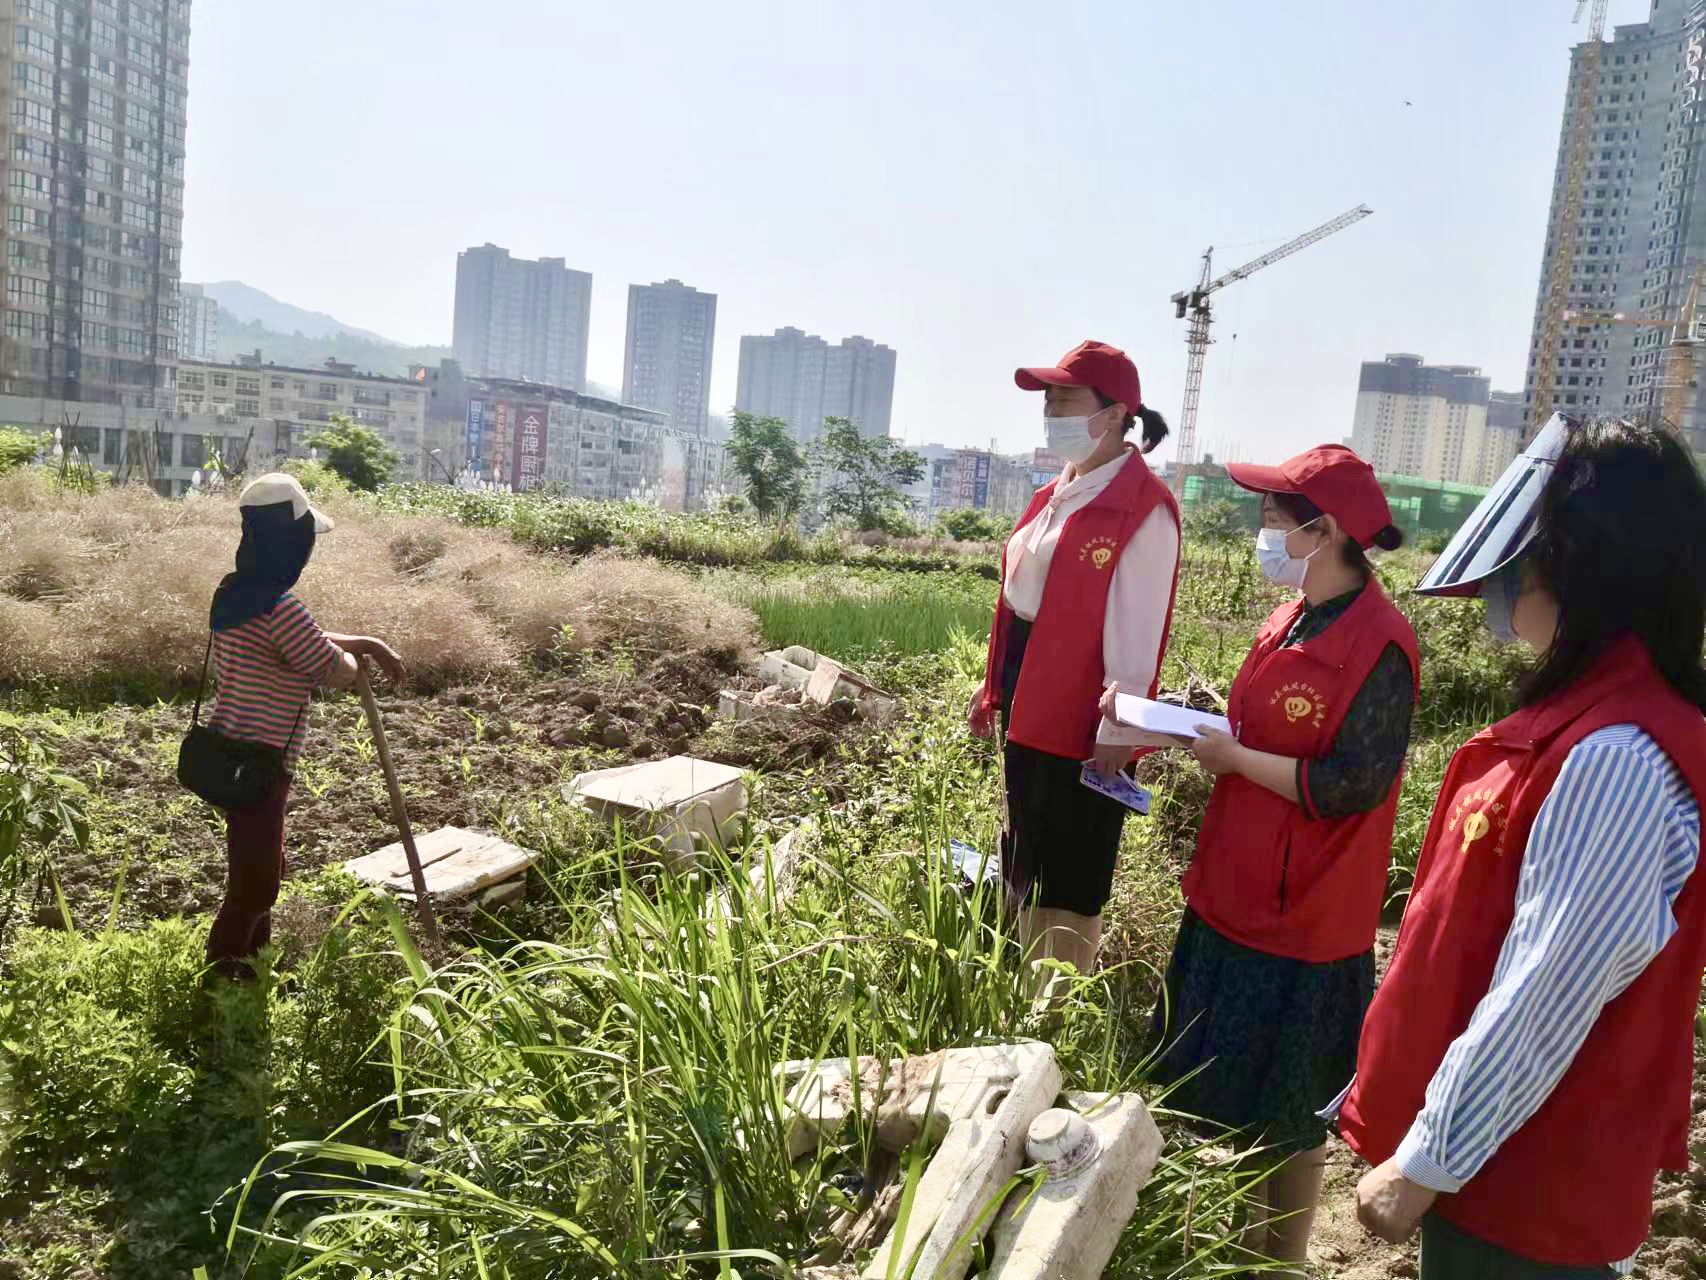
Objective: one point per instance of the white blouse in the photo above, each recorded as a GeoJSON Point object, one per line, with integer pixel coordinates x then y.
{"type": "Point", "coordinates": [1133, 626]}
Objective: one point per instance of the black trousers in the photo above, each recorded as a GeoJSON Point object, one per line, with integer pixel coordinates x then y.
{"type": "Point", "coordinates": [1450, 1253]}
{"type": "Point", "coordinates": [1063, 839]}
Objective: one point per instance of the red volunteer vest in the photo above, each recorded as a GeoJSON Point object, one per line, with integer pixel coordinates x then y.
{"type": "Point", "coordinates": [1573, 1186]}
{"type": "Point", "coordinates": [1061, 682]}
{"type": "Point", "coordinates": [1266, 874]}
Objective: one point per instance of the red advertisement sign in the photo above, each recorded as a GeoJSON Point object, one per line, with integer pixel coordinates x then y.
{"type": "Point", "coordinates": [531, 423]}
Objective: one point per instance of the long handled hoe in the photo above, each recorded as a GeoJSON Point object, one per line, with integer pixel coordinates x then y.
{"type": "Point", "coordinates": [423, 902]}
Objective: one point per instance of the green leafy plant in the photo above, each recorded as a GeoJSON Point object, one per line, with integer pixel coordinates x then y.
{"type": "Point", "coordinates": [40, 807]}
{"type": "Point", "coordinates": [968, 524]}
{"type": "Point", "coordinates": [356, 453]}
{"type": "Point", "coordinates": [768, 458]}
{"type": "Point", "coordinates": [862, 476]}
{"type": "Point", "coordinates": [18, 447]}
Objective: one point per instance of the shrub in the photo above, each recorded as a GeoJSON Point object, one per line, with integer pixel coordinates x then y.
{"type": "Point", "coordinates": [971, 525]}
{"type": "Point", "coordinates": [18, 447]}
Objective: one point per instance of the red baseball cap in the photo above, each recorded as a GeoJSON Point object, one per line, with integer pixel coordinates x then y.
{"type": "Point", "coordinates": [1334, 479]}
{"type": "Point", "coordinates": [1096, 365]}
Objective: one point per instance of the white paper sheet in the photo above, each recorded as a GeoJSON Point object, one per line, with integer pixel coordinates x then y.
{"type": "Point", "coordinates": [1165, 717]}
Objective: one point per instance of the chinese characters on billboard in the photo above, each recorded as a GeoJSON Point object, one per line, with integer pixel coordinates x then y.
{"type": "Point", "coordinates": [475, 434]}
{"type": "Point", "coordinates": [504, 472]}
{"type": "Point", "coordinates": [529, 449]}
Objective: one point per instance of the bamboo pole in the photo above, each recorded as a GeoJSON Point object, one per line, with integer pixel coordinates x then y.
{"type": "Point", "coordinates": [423, 902]}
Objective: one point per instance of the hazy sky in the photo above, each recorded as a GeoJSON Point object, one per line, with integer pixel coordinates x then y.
{"type": "Point", "coordinates": [979, 185]}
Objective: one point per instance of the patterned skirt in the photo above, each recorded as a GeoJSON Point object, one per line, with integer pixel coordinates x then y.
{"type": "Point", "coordinates": [1272, 1041]}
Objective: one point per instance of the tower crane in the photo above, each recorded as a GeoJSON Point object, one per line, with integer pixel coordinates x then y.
{"type": "Point", "coordinates": [1196, 304]}
{"type": "Point", "coordinates": [1569, 217]}
{"type": "Point", "coordinates": [1677, 374]}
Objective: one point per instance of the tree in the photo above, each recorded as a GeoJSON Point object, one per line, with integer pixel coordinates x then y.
{"type": "Point", "coordinates": [862, 476]}
{"type": "Point", "coordinates": [1221, 520]}
{"type": "Point", "coordinates": [768, 458]}
{"type": "Point", "coordinates": [356, 453]}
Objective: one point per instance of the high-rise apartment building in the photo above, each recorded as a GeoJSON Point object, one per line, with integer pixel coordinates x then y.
{"type": "Point", "coordinates": [198, 324]}
{"type": "Point", "coordinates": [521, 319]}
{"type": "Point", "coordinates": [667, 363]}
{"type": "Point", "coordinates": [801, 379]}
{"type": "Point", "coordinates": [781, 376]}
{"type": "Point", "coordinates": [1426, 421]}
{"type": "Point", "coordinates": [1641, 227]}
{"type": "Point", "coordinates": [94, 198]}
{"type": "Point", "coordinates": [858, 384]}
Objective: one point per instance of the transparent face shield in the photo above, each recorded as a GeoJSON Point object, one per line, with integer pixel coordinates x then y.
{"type": "Point", "coordinates": [1499, 530]}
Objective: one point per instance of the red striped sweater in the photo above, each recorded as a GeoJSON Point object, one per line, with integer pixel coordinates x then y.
{"type": "Point", "coordinates": [268, 668]}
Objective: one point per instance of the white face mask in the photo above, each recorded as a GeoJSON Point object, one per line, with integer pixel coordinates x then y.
{"type": "Point", "coordinates": [1069, 438]}
{"type": "Point", "coordinates": [1279, 566]}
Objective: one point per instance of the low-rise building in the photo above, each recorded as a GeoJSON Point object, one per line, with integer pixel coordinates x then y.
{"type": "Point", "coordinates": [285, 407]}
{"type": "Point", "coordinates": [975, 479]}
{"type": "Point", "coordinates": [531, 436]}
{"type": "Point", "coordinates": [160, 449]}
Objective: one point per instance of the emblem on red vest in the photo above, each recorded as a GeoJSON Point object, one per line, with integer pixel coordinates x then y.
{"type": "Point", "coordinates": [1478, 819]}
{"type": "Point", "coordinates": [1300, 701]}
{"type": "Point", "coordinates": [1099, 551]}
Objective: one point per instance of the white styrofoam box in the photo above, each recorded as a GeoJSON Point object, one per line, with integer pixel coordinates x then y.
{"type": "Point", "coordinates": [680, 801]}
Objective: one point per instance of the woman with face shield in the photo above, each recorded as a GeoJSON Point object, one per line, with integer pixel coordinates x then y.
{"type": "Point", "coordinates": [1087, 590]}
{"type": "Point", "coordinates": [1526, 1068]}
{"type": "Point", "coordinates": [1274, 963]}
{"type": "Point", "coordinates": [269, 655]}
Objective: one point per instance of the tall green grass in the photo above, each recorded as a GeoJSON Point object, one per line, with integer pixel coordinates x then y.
{"type": "Point", "coordinates": [609, 1102]}
{"type": "Point", "coordinates": [862, 614]}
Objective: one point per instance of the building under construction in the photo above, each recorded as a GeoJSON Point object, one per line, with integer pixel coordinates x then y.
{"type": "Point", "coordinates": [1640, 235]}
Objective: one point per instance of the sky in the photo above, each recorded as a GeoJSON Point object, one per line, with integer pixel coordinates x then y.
{"type": "Point", "coordinates": [978, 185]}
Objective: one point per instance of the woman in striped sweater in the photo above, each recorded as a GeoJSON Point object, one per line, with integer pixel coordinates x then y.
{"type": "Point", "coordinates": [270, 655]}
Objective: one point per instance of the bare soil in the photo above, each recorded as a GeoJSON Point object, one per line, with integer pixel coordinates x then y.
{"type": "Point", "coordinates": [473, 755]}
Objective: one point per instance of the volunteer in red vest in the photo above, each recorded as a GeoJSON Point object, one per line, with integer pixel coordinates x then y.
{"type": "Point", "coordinates": [1087, 591]}
{"type": "Point", "coordinates": [1274, 963]}
{"type": "Point", "coordinates": [1525, 1070]}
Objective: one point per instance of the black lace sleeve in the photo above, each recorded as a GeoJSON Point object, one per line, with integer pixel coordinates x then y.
{"type": "Point", "coordinates": [1368, 752]}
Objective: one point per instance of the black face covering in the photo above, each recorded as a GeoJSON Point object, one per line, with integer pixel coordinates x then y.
{"type": "Point", "coordinates": [270, 558]}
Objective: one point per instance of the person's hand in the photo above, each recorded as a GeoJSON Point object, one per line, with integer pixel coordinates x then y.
{"type": "Point", "coordinates": [980, 717]}
{"type": "Point", "coordinates": [387, 658]}
{"type": "Point", "coordinates": [1389, 1205]}
{"type": "Point", "coordinates": [1110, 757]}
{"type": "Point", "coordinates": [1106, 705]}
{"type": "Point", "coordinates": [1217, 751]}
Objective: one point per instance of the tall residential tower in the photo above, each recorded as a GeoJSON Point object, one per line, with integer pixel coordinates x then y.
{"type": "Point", "coordinates": [667, 364]}
{"type": "Point", "coordinates": [94, 195]}
{"type": "Point", "coordinates": [521, 319]}
{"type": "Point", "coordinates": [1643, 215]}
{"type": "Point", "coordinates": [801, 379]}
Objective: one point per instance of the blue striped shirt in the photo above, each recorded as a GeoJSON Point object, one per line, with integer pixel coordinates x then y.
{"type": "Point", "coordinates": [1610, 850]}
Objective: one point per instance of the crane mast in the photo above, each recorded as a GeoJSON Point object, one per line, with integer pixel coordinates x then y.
{"type": "Point", "coordinates": [1196, 303]}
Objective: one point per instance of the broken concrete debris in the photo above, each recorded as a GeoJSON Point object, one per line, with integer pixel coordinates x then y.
{"type": "Point", "coordinates": [1099, 1155]}
{"type": "Point", "coordinates": [989, 1111]}
{"type": "Point", "coordinates": [681, 803]}
{"type": "Point", "coordinates": [456, 864]}
{"type": "Point", "coordinates": [798, 677]}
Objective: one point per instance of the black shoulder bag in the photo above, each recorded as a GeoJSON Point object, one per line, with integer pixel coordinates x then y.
{"type": "Point", "coordinates": [227, 772]}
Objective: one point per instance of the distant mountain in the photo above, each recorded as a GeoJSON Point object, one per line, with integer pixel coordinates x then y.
{"type": "Point", "coordinates": [237, 339]}
{"type": "Point", "coordinates": [248, 304]}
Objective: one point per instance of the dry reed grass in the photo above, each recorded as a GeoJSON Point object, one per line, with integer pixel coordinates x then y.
{"type": "Point", "coordinates": [116, 585]}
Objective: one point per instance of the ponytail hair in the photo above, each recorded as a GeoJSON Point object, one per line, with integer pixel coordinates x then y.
{"type": "Point", "coordinates": [1154, 425]}
{"type": "Point", "coordinates": [1154, 428]}
{"type": "Point", "coordinates": [1390, 538]}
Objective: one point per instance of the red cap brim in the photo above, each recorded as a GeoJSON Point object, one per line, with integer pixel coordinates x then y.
{"type": "Point", "coordinates": [1037, 379]}
{"type": "Point", "coordinates": [1247, 475]}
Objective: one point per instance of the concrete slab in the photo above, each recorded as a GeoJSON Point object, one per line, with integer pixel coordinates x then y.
{"type": "Point", "coordinates": [680, 801]}
{"type": "Point", "coordinates": [457, 863]}
{"type": "Point", "coordinates": [1099, 1155]}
